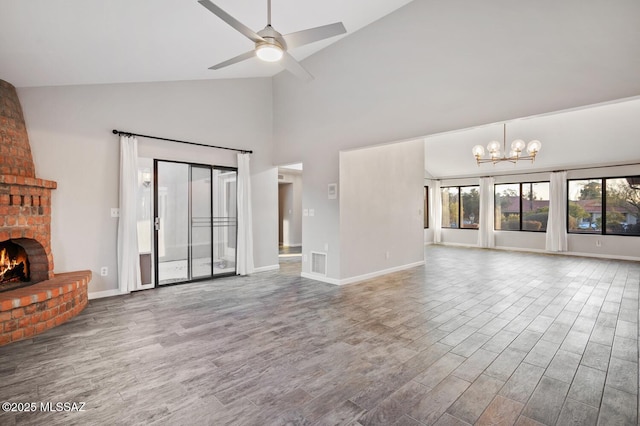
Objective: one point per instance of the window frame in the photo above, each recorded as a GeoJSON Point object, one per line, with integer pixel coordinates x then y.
{"type": "Point", "coordinates": [459, 188]}
{"type": "Point", "coordinates": [425, 206]}
{"type": "Point", "coordinates": [603, 212]}
{"type": "Point", "coordinates": [520, 215]}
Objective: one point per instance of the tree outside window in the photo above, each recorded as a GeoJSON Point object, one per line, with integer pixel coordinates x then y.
{"type": "Point", "coordinates": [605, 206]}
{"type": "Point", "coordinates": [450, 207]}
{"type": "Point", "coordinates": [535, 206]}
{"type": "Point", "coordinates": [507, 207]}
{"type": "Point", "coordinates": [622, 206]}
{"type": "Point", "coordinates": [522, 206]}
{"type": "Point", "coordinates": [460, 207]}
{"type": "Point", "coordinates": [585, 206]}
{"type": "Point", "coordinates": [470, 207]}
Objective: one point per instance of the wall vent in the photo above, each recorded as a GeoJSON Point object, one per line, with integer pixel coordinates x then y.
{"type": "Point", "coordinates": [280, 177]}
{"type": "Point", "coordinates": [319, 263]}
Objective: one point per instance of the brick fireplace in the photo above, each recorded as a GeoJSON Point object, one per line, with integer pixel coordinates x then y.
{"type": "Point", "coordinates": [25, 227]}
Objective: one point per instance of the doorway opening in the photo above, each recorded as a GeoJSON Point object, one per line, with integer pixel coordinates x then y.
{"type": "Point", "coordinates": [290, 216]}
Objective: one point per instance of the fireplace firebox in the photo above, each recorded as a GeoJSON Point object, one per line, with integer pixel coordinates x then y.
{"type": "Point", "coordinates": [14, 266]}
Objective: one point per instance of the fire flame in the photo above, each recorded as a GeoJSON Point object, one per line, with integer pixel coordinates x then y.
{"type": "Point", "coordinates": [7, 264]}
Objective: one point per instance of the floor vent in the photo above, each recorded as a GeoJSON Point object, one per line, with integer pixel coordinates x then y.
{"type": "Point", "coordinates": [319, 263]}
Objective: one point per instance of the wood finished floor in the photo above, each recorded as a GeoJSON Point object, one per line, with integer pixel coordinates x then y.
{"type": "Point", "coordinates": [473, 337]}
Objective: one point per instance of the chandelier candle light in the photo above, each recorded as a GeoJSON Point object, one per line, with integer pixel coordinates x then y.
{"type": "Point", "coordinates": [517, 148]}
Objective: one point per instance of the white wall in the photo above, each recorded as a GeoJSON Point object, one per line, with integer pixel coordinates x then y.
{"type": "Point", "coordinates": [432, 67]}
{"type": "Point", "coordinates": [70, 132]}
{"type": "Point", "coordinates": [436, 66]}
{"type": "Point", "coordinates": [381, 208]}
{"type": "Point", "coordinates": [321, 230]}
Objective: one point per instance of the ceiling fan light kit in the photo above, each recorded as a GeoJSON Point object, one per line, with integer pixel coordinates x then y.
{"type": "Point", "coordinates": [515, 155]}
{"type": "Point", "coordinates": [270, 45]}
{"type": "Point", "coordinates": [269, 52]}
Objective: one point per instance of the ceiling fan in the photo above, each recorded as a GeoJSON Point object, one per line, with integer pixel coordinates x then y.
{"type": "Point", "coordinates": [270, 45]}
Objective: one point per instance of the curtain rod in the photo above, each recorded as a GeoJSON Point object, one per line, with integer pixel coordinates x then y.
{"type": "Point", "coordinates": [123, 133]}
{"type": "Point", "coordinates": [538, 171]}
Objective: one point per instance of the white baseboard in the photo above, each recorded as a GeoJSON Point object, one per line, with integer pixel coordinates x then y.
{"type": "Point", "coordinates": [597, 256]}
{"type": "Point", "coordinates": [442, 243]}
{"type": "Point", "coordinates": [318, 277]}
{"type": "Point", "coordinates": [524, 249]}
{"type": "Point", "coordinates": [543, 251]}
{"type": "Point", "coordinates": [359, 278]}
{"type": "Point", "coordinates": [380, 273]}
{"type": "Point", "coordinates": [103, 294]}
{"type": "Point", "coordinates": [267, 268]}
{"type": "Point", "coordinates": [292, 245]}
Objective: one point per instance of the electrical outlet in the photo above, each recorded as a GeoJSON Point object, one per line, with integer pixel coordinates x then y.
{"type": "Point", "coordinates": [387, 255]}
{"type": "Point", "coordinates": [304, 258]}
{"type": "Point", "coordinates": [104, 271]}
{"type": "Point", "coordinates": [598, 243]}
{"type": "Point", "coordinates": [312, 212]}
{"type": "Point", "coordinates": [115, 212]}
{"type": "Point", "coordinates": [326, 247]}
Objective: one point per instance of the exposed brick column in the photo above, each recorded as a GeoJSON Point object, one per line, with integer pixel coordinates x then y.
{"type": "Point", "coordinates": [25, 201]}
{"type": "Point", "coordinates": [15, 151]}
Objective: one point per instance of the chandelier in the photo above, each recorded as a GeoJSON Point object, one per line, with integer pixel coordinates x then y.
{"type": "Point", "coordinates": [517, 150]}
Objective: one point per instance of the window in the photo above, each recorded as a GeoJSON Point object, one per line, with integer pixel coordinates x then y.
{"type": "Point", "coordinates": [426, 207]}
{"type": "Point", "coordinates": [604, 206]}
{"type": "Point", "coordinates": [450, 207]}
{"type": "Point", "coordinates": [585, 206]}
{"type": "Point", "coordinates": [522, 206]}
{"type": "Point", "coordinates": [470, 206]}
{"type": "Point", "coordinates": [507, 207]}
{"type": "Point", "coordinates": [460, 207]}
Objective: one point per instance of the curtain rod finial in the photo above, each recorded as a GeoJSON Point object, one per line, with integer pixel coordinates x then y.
{"type": "Point", "coordinates": [115, 132]}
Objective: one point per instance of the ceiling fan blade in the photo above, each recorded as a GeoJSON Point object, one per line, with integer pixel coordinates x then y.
{"type": "Point", "coordinates": [300, 38]}
{"type": "Point", "coordinates": [239, 58]}
{"type": "Point", "coordinates": [246, 31]}
{"type": "Point", "coordinates": [295, 68]}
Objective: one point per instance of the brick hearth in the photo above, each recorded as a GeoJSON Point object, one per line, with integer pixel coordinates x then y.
{"type": "Point", "coordinates": [28, 311]}
{"type": "Point", "coordinates": [25, 219]}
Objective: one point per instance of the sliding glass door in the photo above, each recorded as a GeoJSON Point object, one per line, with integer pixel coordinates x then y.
{"type": "Point", "coordinates": [195, 221]}
{"type": "Point", "coordinates": [224, 221]}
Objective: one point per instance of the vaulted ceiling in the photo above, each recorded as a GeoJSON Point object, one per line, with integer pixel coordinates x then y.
{"type": "Point", "coordinates": [67, 42]}
{"type": "Point", "coordinates": [442, 61]}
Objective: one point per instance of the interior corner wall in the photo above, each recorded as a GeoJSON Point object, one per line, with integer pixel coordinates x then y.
{"type": "Point", "coordinates": [381, 208]}
{"type": "Point", "coordinates": [321, 225]}
{"type": "Point", "coordinates": [436, 77]}
{"type": "Point", "coordinates": [70, 133]}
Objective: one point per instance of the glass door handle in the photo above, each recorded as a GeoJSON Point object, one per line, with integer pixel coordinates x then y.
{"type": "Point", "coordinates": [156, 223]}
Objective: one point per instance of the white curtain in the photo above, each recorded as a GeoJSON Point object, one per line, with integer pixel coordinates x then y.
{"type": "Point", "coordinates": [128, 256]}
{"type": "Point", "coordinates": [245, 226]}
{"type": "Point", "coordinates": [486, 236]}
{"type": "Point", "coordinates": [557, 222]}
{"type": "Point", "coordinates": [436, 202]}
